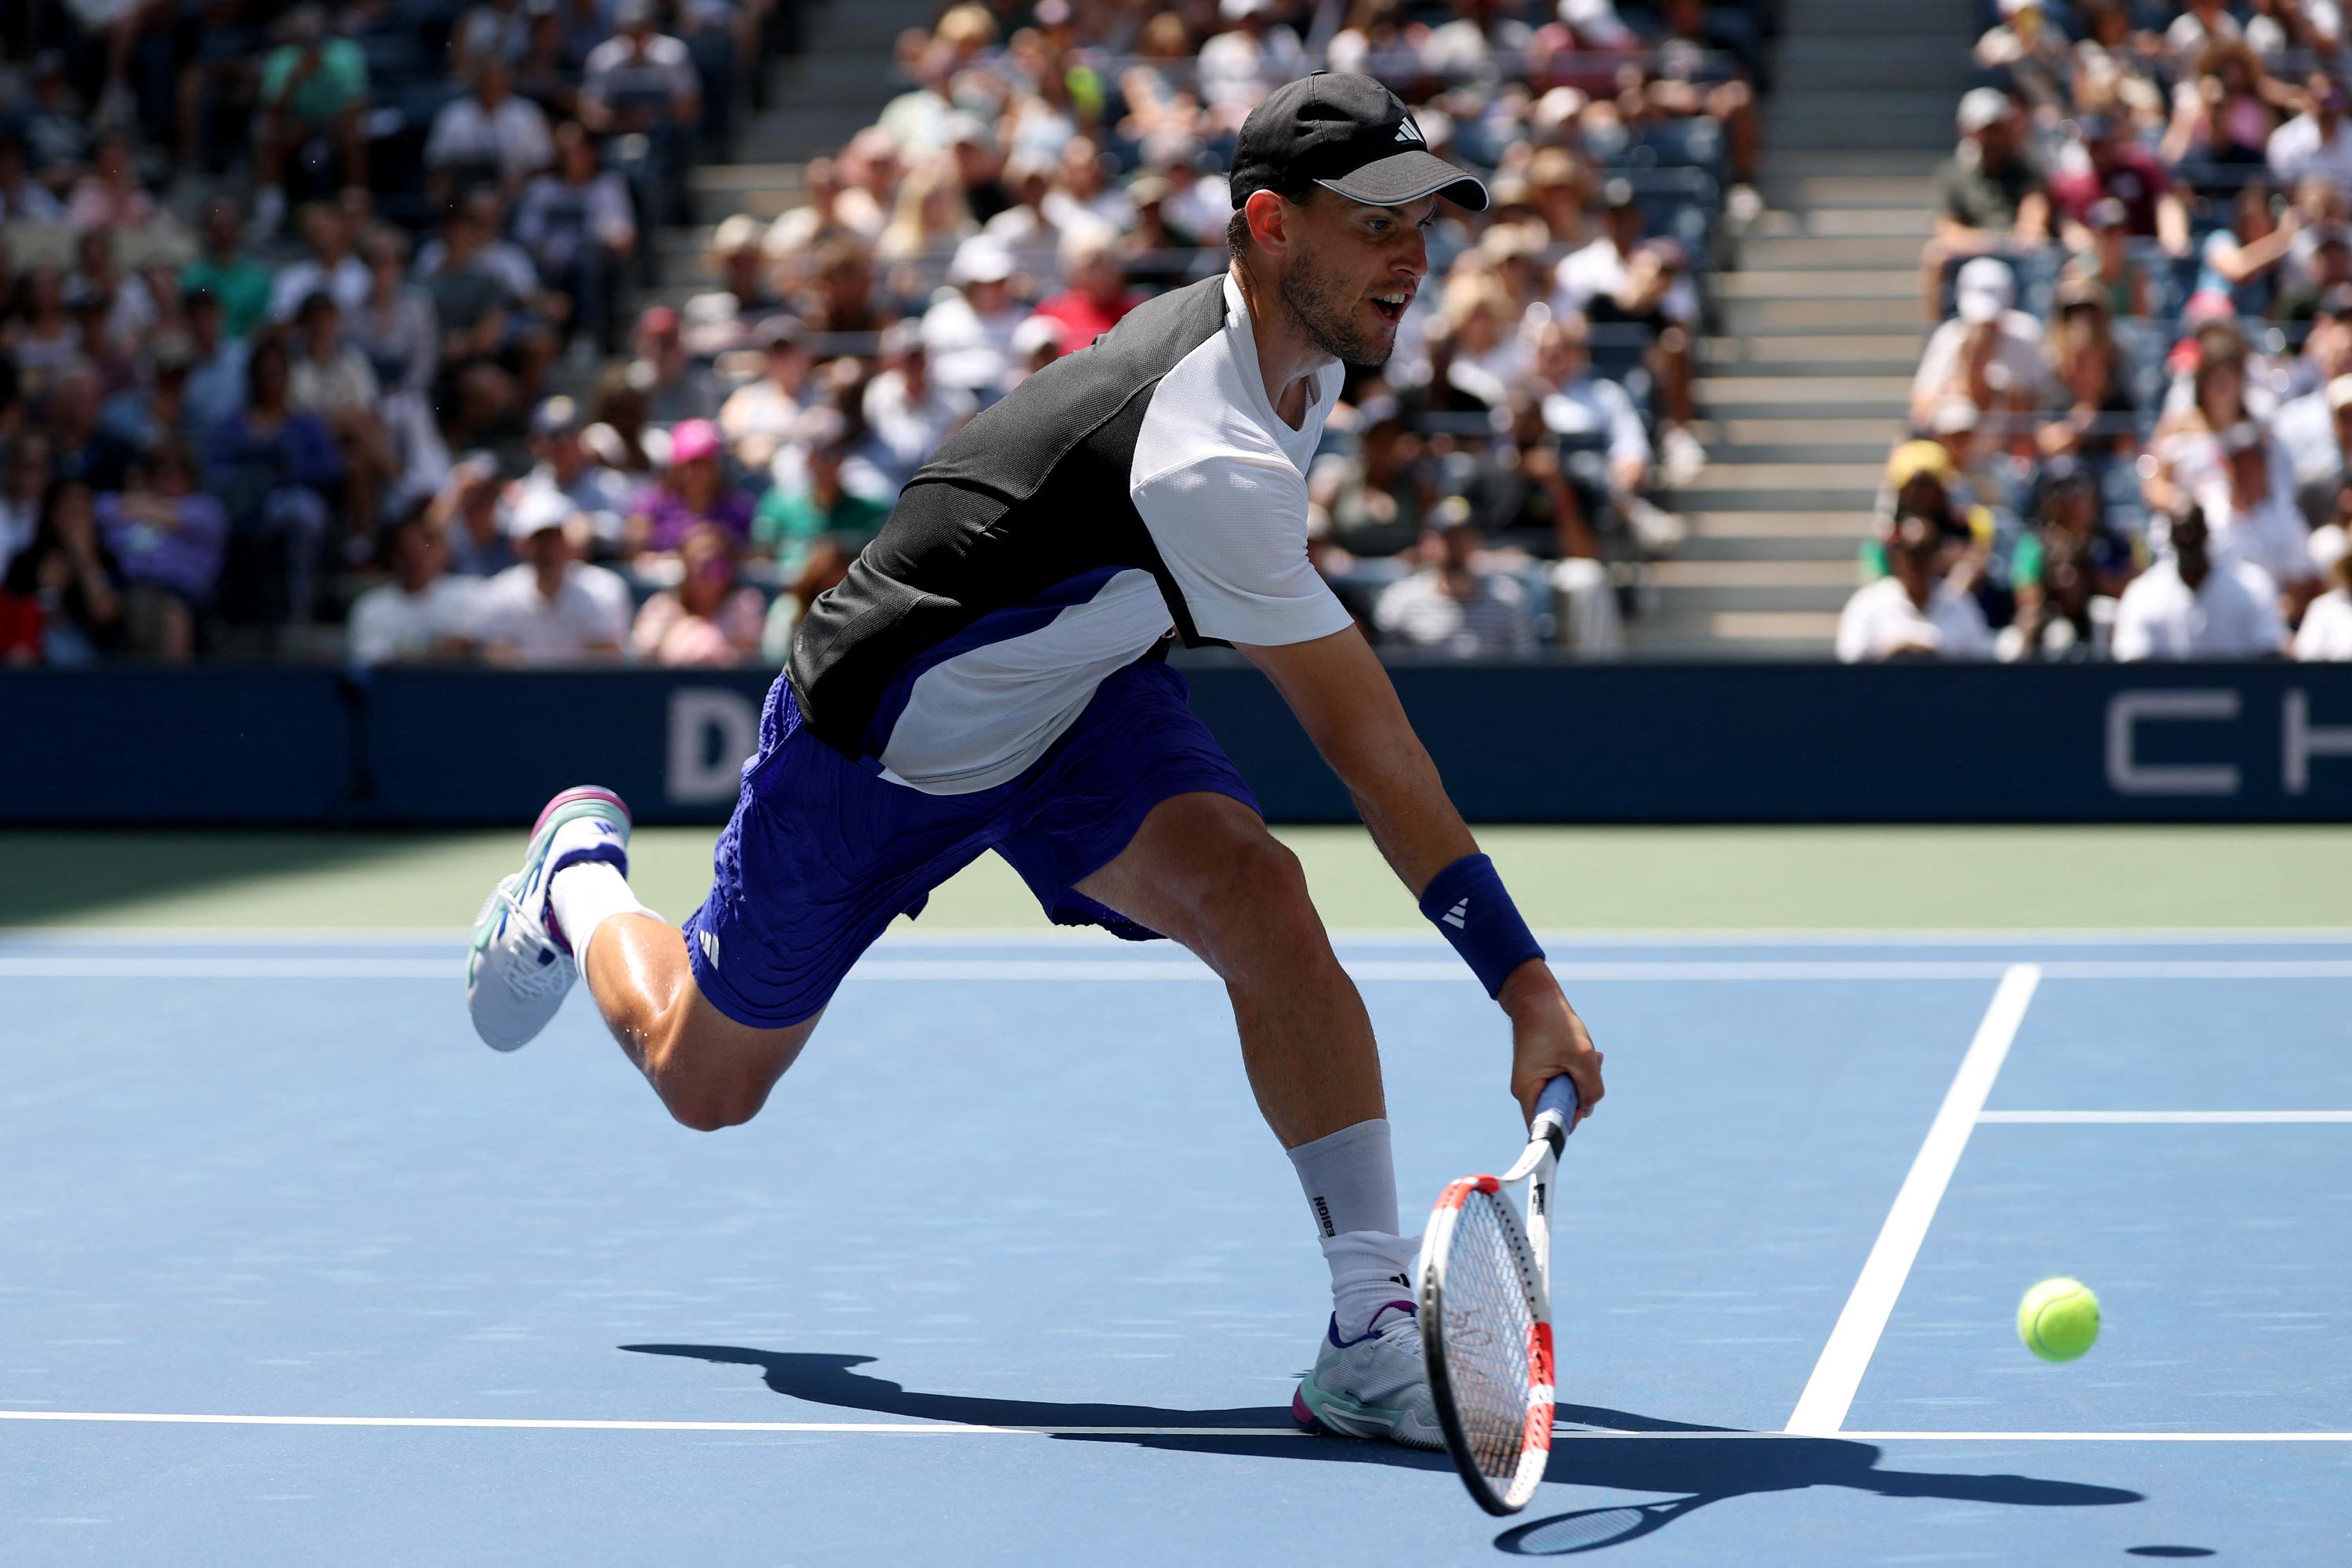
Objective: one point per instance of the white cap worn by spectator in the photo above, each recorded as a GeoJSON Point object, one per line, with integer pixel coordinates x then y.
{"type": "Point", "coordinates": [538, 510]}
{"type": "Point", "coordinates": [1597, 24]}
{"type": "Point", "coordinates": [1981, 107]}
{"type": "Point", "coordinates": [2325, 635]}
{"type": "Point", "coordinates": [1986, 290]}
{"type": "Point", "coordinates": [982, 259]}
{"type": "Point", "coordinates": [553, 609]}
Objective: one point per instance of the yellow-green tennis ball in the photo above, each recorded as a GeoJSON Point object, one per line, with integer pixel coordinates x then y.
{"type": "Point", "coordinates": [2058, 1319]}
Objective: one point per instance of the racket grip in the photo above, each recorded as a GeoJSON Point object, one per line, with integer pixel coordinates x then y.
{"type": "Point", "coordinates": [1558, 1100]}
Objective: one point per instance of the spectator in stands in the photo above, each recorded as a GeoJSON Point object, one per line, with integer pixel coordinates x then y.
{"type": "Point", "coordinates": [1373, 503]}
{"type": "Point", "coordinates": [237, 279]}
{"type": "Point", "coordinates": [2089, 407]}
{"type": "Point", "coordinates": [1990, 354]}
{"type": "Point", "coordinates": [279, 472]}
{"type": "Point", "coordinates": [1253, 55]}
{"type": "Point", "coordinates": [331, 378]}
{"type": "Point", "coordinates": [2072, 556]}
{"type": "Point", "coordinates": [465, 515]}
{"type": "Point", "coordinates": [2316, 142]}
{"type": "Point", "coordinates": [2326, 634]}
{"type": "Point", "coordinates": [24, 479]}
{"type": "Point", "coordinates": [640, 82]}
{"type": "Point", "coordinates": [551, 607]}
{"type": "Point", "coordinates": [483, 341]}
{"type": "Point", "coordinates": [168, 540]}
{"type": "Point", "coordinates": [2320, 465]}
{"type": "Point", "coordinates": [2229, 112]}
{"type": "Point", "coordinates": [968, 327]}
{"type": "Point", "coordinates": [575, 224]}
{"type": "Point", "coordinates": [2107, 262]}
{"type": "Point", "coordinates": [1095, 296]}
{"type": "Point", "coordinates": [1588, 411]}
{"type": "Point", "coordinates": [826, 565]}
{"type": "Point", "coordinates": [708, 619]}
{"type": "Point", "coordinates": [2105, 164]}
{"type": "Point", "coordinates": [931, 218]}
{"type": "Point", "coordinates": [908, 411]}
{"type": "Point", "coordinates": [2241, 261]}
{"type": "Point", "coordinates": [1913, 612]}
{"type": "Point", "coordinates": [1989, 196]}
{"type": "Point", "coordinates": [693, 492]}
{"type": "Point", "coordinates": [2253, 520]}
{"type": "Point", "coordinates": [2186, 448]}
{"type": "Point", "coordinates": [24, 199]}
{"type": "Point", "coordinates": [1620, 276]}
{"type": "Point", "coordinates": [2029, 52]}
{"type": "Point", "coordinates": [424, 612]}
{"type": "Point", "coordinates": [139, 416]}
{"type": "Point", "coordinates": [110, 195]}
{"type": "Point", "coordinates": [66, 587]}
{"type": "Point", "coordinates": [1452, 605]}
{"type": "Point", "coordinates": [793, 515]}
{"type": "Point", "coordinates": [759, 415]}
{"type": "Point", "coordinates": [69, 409]}
{"type": "Point", "coordinates": [618, 432]}
{"type": "Point", "coordinates": [312, 86]}
{"type": "Point", "coordinates": [216, 372]}
{"type": "Point", "coordinates": [601, 497]}
{"type": "Point", "coordinates": [331, 266]}
{"type": "Point", "coordinates": [489, 136]}
{"type": "Point", "coordinates": [2194, 605]}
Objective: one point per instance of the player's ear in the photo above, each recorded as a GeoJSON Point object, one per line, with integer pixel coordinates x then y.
{"type": "Point", "coordinates": [1269, 218]}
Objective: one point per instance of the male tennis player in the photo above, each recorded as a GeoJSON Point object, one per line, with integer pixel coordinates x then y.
{"type": "Point", "coordinates": [990, 677]}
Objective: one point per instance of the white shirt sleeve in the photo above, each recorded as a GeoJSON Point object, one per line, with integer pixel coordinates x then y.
{"type": "Point", "coordinates": [2132, 640]}
{"type": "Point", "coordinates": [1853, 629]}
{"type": "Point", "coordinates": [1232, 532]}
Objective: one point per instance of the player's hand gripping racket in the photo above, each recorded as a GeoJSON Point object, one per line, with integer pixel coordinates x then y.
{"type": "Point", "coordinates": [1485, 1316]}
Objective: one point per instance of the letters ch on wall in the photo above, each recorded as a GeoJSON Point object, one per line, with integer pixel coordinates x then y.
{"type": "Point", "coordinates": [2131, 713]}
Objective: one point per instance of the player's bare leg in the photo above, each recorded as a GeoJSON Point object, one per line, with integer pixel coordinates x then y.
{"type": "Point", "coordinates": [1203, 870]}
{"type": "Point", "coordinates": [568, 911]}
{"type": "Point", "coordinates": [710, 1070]}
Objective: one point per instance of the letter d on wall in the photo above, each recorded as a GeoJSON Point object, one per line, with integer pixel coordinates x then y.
{"type": "Point", "coordinates": [713, 730]}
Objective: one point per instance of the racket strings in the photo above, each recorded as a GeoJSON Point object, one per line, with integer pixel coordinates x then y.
{"type": "Point", "coordinates": [1488, 1335]}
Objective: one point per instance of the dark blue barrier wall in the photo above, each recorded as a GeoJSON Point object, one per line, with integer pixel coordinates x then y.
{"type": "Point", "coordinates": [106, 746]}
{"type": "Point", "coordinates": [1523, 743]}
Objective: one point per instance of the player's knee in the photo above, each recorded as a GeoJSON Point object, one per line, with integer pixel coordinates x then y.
{"type": "Point", "coordinates": [1257, 911]}
{"type": "Point", "coordinates": [710, 1107]}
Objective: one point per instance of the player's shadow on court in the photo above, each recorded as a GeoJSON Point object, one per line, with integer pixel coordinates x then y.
{"type": "Point", "coordinates": [1695, 1470]}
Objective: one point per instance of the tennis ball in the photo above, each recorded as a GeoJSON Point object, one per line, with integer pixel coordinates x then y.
{"type": "Point", "coordinates": [2058, 1319]}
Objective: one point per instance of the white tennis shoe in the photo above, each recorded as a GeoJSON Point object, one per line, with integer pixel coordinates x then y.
{"type": "Point", "coordinates": [518, 969]}
{"type": "Point", "coordinates": [1374, 1386]}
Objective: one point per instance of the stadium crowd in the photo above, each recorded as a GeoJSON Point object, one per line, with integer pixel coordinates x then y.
{"type": "Point", "coordinates": [335, 331]}
{"type": "Point", "coordinates": [2131, 429]}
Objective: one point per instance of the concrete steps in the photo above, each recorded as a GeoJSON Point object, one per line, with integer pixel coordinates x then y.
{"type": "Point", "coordinates": [1817, 331]}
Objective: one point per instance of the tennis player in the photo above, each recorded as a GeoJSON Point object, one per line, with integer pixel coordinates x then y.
{"type": "Point", "coordinates": [990, 675]}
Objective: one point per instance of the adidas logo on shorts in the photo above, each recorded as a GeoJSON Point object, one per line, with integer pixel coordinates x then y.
{"type": "Point", "coordinates": [710, 947]}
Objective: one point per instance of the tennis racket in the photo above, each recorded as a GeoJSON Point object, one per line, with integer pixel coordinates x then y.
{"type": "Point", "coordinates": [1485, 1316]}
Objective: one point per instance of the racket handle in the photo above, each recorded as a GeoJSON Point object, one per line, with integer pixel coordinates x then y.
{"type": "Point", "coordinates": [1556, 1102]}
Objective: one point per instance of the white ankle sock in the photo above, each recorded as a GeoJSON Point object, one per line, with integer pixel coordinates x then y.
{"type": "Point", "coordinates": [1368, 1269]}
{"type": "Point", "coordinates": [584, 896]}
{"type": "Point", "coordinates": [1351, 1185]}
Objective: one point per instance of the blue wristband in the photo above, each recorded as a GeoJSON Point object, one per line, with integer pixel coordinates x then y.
{"type": "Point", "coordinates": [1467, 902]}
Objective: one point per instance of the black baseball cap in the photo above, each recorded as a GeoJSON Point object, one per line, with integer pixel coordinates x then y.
{"type": "Point", "coordinates": [1347, 133]}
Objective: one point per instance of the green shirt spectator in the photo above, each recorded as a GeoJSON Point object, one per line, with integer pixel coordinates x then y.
{"type": "Point", "coordinates": [335, 80]}
{"type": "Point", "coordinates": [789, 520]}
{"type": "Point", "coordinates": [241, 284]}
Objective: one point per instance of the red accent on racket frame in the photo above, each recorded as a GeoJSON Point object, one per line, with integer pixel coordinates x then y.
{"type": "Point", "coordinates": [1539, 1374]}
{"type": "Point", "coordinates": [1457, 1193]}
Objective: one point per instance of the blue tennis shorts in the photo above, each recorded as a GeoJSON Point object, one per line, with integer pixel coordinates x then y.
{"type": "Point", "coordinates": [822, 854]}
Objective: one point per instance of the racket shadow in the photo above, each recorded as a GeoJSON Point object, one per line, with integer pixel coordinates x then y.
{"type": "Point", "coordinates": [1740, 1465]}
{"type": "Point", "coordinates": [834, 1380]}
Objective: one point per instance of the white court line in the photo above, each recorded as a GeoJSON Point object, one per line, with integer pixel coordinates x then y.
{"type": "Point", "coordinates": [1829, 1393]}
{"type": "Point", "coordinates": [75, 966]}
{"type": "Point", "coordinates": [967, 1429]}
{"type": "Point", "coordinates": [2162, 1117]}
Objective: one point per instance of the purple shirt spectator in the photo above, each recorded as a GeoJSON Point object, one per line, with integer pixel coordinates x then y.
{"type": "Point", "coordinates": [672, 518]}
{"type": "Point", "coordinates": [183, 554]}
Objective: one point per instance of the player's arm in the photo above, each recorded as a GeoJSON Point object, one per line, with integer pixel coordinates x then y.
{"type": "Point", "coordinates": [1344, 699]}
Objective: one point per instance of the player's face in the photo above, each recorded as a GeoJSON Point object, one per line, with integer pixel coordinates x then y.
{"type": "Point", "coordinates": [1352, 271]}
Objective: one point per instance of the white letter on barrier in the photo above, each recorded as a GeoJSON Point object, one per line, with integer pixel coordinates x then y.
{"type": "Point", "coordinates": [2128, 775]}
{"type": "Point", "coordinates": [2305, 743]}
{"type": "Point", "coordinates": [711, 732]}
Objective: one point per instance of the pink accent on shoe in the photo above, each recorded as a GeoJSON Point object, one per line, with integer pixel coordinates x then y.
{"type": "Point", "coordinates": [582, 792]}
{"type": "Point", "coordinates": [1300, 1413]}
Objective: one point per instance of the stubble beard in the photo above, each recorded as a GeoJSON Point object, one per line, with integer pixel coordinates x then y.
{"type": "Point", "coordinates": [1324, 310]}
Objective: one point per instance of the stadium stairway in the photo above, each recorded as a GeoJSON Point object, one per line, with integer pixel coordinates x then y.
{"type": "Point", "coordinates": [1816, 331]}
